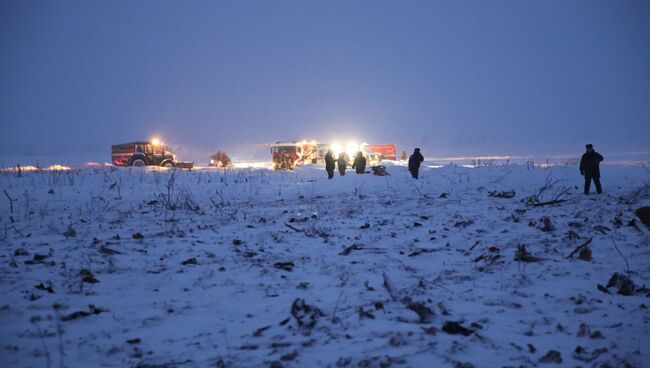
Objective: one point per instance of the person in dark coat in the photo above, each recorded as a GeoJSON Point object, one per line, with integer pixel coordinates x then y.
{"type": "Point", "coordinates": [343, 162]}
{"type": "Point", "coordinates": [589, 167]}
{"type": "Point", "coordinates": [359, 163]}
{"type": "Point", "coordinates": [329, 164]}
{"type": "Point", "coordinates": [414, 163]}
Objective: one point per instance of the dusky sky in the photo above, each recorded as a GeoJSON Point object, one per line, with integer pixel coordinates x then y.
{"type": "Point", "coordinates": [453, 77]}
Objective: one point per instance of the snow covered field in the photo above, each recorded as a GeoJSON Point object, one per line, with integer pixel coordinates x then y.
{"type": "Point", "coordinates": [248, 267]}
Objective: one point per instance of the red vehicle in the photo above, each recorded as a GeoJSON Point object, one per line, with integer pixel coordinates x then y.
{"type": "Point", "coordinates": [286, 156]}
{"type": "Point", "coordinates": [142, 154]}
{"type": "Point", "coordinates": [381, 151]}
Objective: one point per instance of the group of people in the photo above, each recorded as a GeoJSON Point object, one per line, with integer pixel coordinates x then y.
{"type": "Point", "coordinates": [359, 164]}
{"type": "Point", "coordinates": [589, 165]}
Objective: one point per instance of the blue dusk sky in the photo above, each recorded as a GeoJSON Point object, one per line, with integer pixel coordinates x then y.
{"type": "Point", "coordinates": [453, 77]}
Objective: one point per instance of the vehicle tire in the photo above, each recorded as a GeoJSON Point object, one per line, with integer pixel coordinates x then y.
{"type": "Point", "coordinates": [167, 164]}
{"type": "Point", "coordinates": [138, 162]}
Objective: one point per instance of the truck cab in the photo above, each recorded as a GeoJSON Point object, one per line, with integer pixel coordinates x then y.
{"type": "Point", "coordinates": [142, 153]}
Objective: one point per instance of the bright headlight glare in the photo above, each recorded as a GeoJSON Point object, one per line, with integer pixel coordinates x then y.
{"type": "Point", "coordinates": [352, 148]}
{"type": "Point", "coordinates": [336, 149]}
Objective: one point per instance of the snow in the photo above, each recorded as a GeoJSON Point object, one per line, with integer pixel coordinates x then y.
{"type": "Point", "coordinates": [224, 254]}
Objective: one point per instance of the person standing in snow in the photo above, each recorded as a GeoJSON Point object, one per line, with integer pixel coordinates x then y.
{"type": "Point", "coordinates": [414, 163]}
{"type": "Point", "coordinates": [329, 164]}
{"type": "Point", "coordinates": [590, 168]}
{"type": "Point", "coordinates": [359, 163]}
{"type": "Point", "coordinates": [343, 162]}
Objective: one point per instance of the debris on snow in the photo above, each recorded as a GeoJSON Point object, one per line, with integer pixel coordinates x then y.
{"type": "Point", "coordinates": [456, 328]}
{"type": "Point", "coordinates": [287, 266]}
{"type": "Point", "coordinates": [305, 315]}
{"type": "Point", "coordinates": [92, 310]}
{"type": "Point", "coordinates": [551, 357]}
{"type": "Point", "coordinates": [504, 194]}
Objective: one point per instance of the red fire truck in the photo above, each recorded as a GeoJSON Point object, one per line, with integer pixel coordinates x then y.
{"type": "Point", "coordinates": [142, 153]}
{"type": "Point", "coordinates": [145, 153]}
{"type": "Point", "coordinates": [379, 152]}
{"type": "Point", "coordinates": [286, 156]}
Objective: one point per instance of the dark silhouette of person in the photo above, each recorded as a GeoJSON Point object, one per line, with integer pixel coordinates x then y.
{"type": "Point", "coordinates": [343, 162]}
{"type": "Point", "coordinates": [359, 163]}
{"type": "Point", "coordinates": [329, 164]}
{"type": "Point", "coordinates": [414, 163]}
{"type": "Point", "coordinates": [590, 168]}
